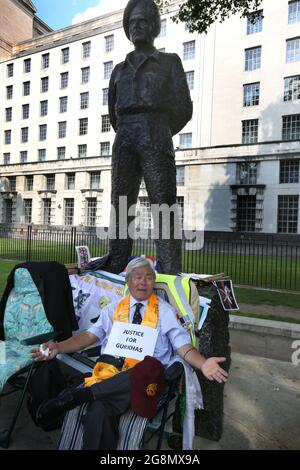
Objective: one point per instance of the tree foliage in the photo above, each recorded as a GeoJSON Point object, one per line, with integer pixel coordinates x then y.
{"type": "Point", "coordinates": [201, 14]}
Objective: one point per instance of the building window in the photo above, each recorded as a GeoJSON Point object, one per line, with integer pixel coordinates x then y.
{"type": "Point", "coordinates": [105, 125]}
{"type": "Point", "coordinates": [64, 80]}
{"type": "Point", "coordinates": [82, 151]}
{"type": "Point", "coordinates": [246, 213]}
{"type": "Point", "coordinates": [247, 173]}
{"type": "Point", "coordinates": [189, 50]}
{"type": "Point", "coordinates": [291, 127]}
{"type": "Point", "coordinates": [70, 181]}
{"type": "Point", "coordinates": [24, 134]}
{"type": "Point", "coordinates": [27, 211]}
{"type": "Point", "coordinates": [250, 131]}
{"type": "Point", "coordinates": [8, 211]}
{"type": "Point", "coordinates": [62, 129]}
{"type": "Point", "coordinates": [294, 12]}
{"type": "Point", "coordinates": [12, 183]}
{"type": "Point", "coordinates": [91, 211]}
{"type": "Point", "coordinates": [84, 100]}
{"type": "Point", "coordinates": [69, 211]}
{"type": "Point", "coordinates": [43, 131]}
{"type": "Point", "coordinates": [45, 60]}
{"type": "Point", "coordinates": [26, 88]}
{"type": "Point", "coordinates": [185, 140]}
{"type": "Point", "coordinates": [251, 94]}
{"type": "Point", "coordinates": [7, 137]}
{"type": "Point", "coordinates": [6, 158]}
{"type": "Point", "coordinates": [10, 70]}
{"type": "Point", "coordinates": [163, 29]}
{"type": "Point", "coordinates": [255, 22]}
{"type": "Point", "coordinates": [105, 149]}
{"type": "Point", "coordinates": [253, 58]}
{"type": "Point", "coordinates": [65, 55]}
{"type": "Point", "coordinates": [86, 49]}
{"type": "Point", "coordinates": [108, 67]}
{"type": "Point", "coordinates": [288, 208]}
{"type": "Point", "coordinates": [190, 76]}
{"type": "Point", "coordinates": [289, 171]}
{"type": "Point", "coordinates": [105, 96]}
{"type": "Point", "coordinates": [83, 126]}
{"type": "Point", "coordinates": [44, 108]}
{"type": "Point", "coordinates": [292, 88]}
{"type": "Point", "coordinates": [25, 111]}
{"type": "Point", "coordinates": [61, 153]}
{"type": "Point", "coordinates": [85, 75]}
{"type": "Point", "coordinates": [27, 65]}
{"type": "Point", "coordinates": [29, 183]}
{"type": "Point", "coordinates": [44, 84]}
{"type": "Point", "coordinates": [50, 182]}
{"type": "Point", "coordinates": [143, 220]}
{"type": "Point", "coordinates": [8, 114]}
{"type": "Point", "coordinates": [180, 172]}
{"type": "Point", "coordinates": [9, 92]}
{"type": "Point", "coordinates": [109, 43]}
{"type": "Point", "coordinates": [42, 155]}
{"type": "Point", "coordinates": [63, 104]}
{"type": "Point", "coordinates": [293, 50]}
{"type": "Point", "coordinates": [95, 179]}
{"type": "Point", "coordinates": [46, 212]}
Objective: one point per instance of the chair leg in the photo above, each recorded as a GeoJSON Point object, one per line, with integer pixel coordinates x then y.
{"type": "Point", "coordinates": [164, 418]}
{"type": "Point", "coordinates": [5, 435]}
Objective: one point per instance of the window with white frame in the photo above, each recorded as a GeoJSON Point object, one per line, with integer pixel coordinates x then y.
{"type": "Point", "coordinates": [12, 183]}
{"type": "Point", "coordinates": [41, 155]}
{"type": "Point", "coordinates": [8, 114]}
{"type": "Point", "coordinates": [23, 156]}
{"type": "Point", "coordinates": [251, 94]}
{"type": "Point", "coordinates": [46, 211]}
{"type": "Point", "coordinates": [61, 153]}
{"type": "Point", "coordinates": [293, 50]}
{"type": "Point", "coordinates": [50, 182]}
{"type": "Point", "coordinates": [287, 217]}
{"type": "Point", "coordinates": [70, 180]}
{"type": "Point", "coordinates": [24, 134]}
{"type": "Point", "coordinates": [105, 124]}
{"type": "Point", "coordinates": [163, 29]}
{"type": "Point", "coordinates": [104, 149]}
{"type": "Point", "coordinates": [27, 65]}
{"type": "Point", "coordinates": [62, 129]}
{"type": "Point", "coordinates": [108, 68]}
{"type": "Point", "coordinates": [42, 131]}
{"type": "Point", "coordinates": [185, 140]}
{"type": "Point", "coordinates": [85, 75]}
{"type": "Point", "coordinates": [247, 173]}
{"type": "Point", "coordinates": [64, 80]}
{"type": "Point", "coordinates": [44, 84]}
{"type": "Point", "coordinates": [83, 126]}
{"type": "Point", "coordinates": [291, 127]}
{"type": "Point", "coordinates": [250, 131]}
{"type": "Point", "coordinates": [246, 213]}
{"type": "Point", "coordinates": [253, 58]}
{"type": "Point", "coordinates": [143, 218]}
{"type": "Point", "coordinates": [82, 150]}
{"type": "Point", "coordinates": [45, 60]}
{"type": "Point", "coordinates": [109, 43]}
{"type": "Point", "coordinates": [95, 177]}
{"type": "Point", "coordinates": [255, 22]}
{"type": "Point", "coordinates": [10, 70]}
{"type": "Point", "coordinates": [6, 158]}
{"type": "Point", "coordinates": [86, 49]}
{"type": "Point", "coordinates": [190, 77]}
{"type": "Point", "coordinates": [189, 50]}
{"type": "Point", "coordinates": [65, 55]}
{"type": "Point", "coordinates": [9, 92]}
{"type": "Point", "coordinates": [91, 211]}
{"type": "Point", "coordinates": [44, 108]}
{"type": "Point", "coordinates": [84, 100]}
{"type": "Point", "coordinates": [294, 12]}
{"type": "Point", "coordinates": [27, 211]}
{"type": "Point", "coordinates": [289, 171]}
{"type": "Point", "coordinates": [25, 111]}
{"type": "Point", "coordinates": [29, 183]}
{"type": "Point", "coordinates": [26, 88]}
{"type": "Point", "coordinates": [68, 211]}
{"type": "Point", "coordinates": [292, 88]}
{"type": "Point", "coordinates": [63, 104]}
{"type": "Point", "coordinates": [180, 173]}
{"type": "Point", "coordinates": [7, 137]}
{"type": "Point", "coordinates": [104, 96]}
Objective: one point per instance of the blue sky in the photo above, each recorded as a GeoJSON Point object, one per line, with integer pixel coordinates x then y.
{"type": "Point", "coordinates": [59, 13]}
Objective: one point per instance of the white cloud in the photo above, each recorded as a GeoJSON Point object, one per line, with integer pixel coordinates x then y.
{"type": "Point", "coordinates": [105, 6]}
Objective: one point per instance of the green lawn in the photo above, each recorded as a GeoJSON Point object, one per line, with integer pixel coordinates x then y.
{"type": "Point", "coordinates": [5, 268]}
{"type": "Point", "coordinates": [266, 297]}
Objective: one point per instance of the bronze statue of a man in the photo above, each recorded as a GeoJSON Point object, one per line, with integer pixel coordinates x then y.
{"type": "Point", "coordinates": [149, 102]}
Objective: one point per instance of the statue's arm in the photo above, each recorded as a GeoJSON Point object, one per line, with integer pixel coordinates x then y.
{"type": "Point", "coordinates": [182, 108]}
{"type": "Point", "coordinates": [112, 99]}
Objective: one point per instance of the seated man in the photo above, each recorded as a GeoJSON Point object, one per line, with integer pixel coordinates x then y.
{"type": "Point", "coordinates": [109, 388]}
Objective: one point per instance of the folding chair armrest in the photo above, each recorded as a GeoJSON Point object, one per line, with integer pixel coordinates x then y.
{"type": "Point", "coordinates": [40, 338]}
{"type": "Point", "coordinates": [174, 371]}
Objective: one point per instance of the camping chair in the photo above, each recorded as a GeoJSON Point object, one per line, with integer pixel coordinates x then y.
{"type": "Point", "coordinates": [25, 324]}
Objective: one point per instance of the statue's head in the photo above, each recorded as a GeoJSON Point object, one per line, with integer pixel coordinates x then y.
{"type": "Point", "coordinates": [141, 19]}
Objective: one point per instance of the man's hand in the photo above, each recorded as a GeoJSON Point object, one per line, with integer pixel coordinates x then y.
{"type": "Point", "coordinates": [212, 371]}
{"type": "Point", "coordinates": [38, 355]}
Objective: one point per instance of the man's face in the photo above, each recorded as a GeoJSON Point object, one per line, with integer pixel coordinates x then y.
{"type": "Point", "coordinates": [141, 283]}
{"type": "Point", "coordinates": [140, 30]}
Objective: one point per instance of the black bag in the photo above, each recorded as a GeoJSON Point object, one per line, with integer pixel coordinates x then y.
{"type": "Point", "coordinates": [47, 382]}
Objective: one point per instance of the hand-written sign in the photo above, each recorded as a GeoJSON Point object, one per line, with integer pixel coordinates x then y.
{"type": "Point", "coordinates": [130, 340]}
